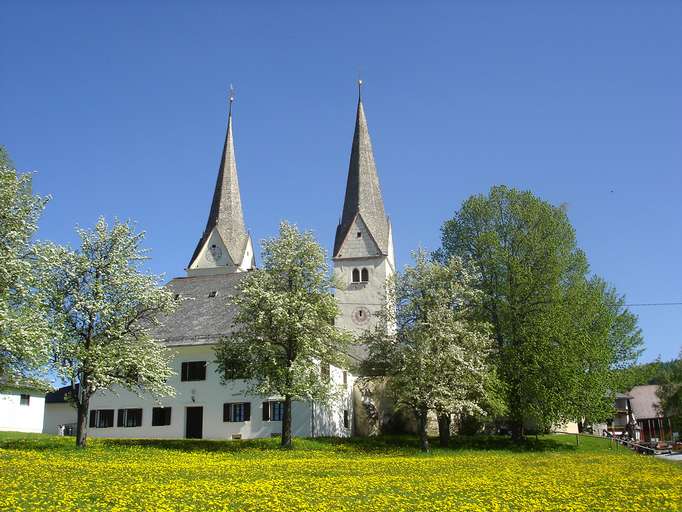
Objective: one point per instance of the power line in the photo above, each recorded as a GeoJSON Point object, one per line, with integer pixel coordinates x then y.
{"type": "Point", "coordinates": [647, 304]}
{"type": "Point", "coordinates": [655, 304]}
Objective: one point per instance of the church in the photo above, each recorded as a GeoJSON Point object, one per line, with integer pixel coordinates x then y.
{"type": "Point", "coordinates": [203, 406]}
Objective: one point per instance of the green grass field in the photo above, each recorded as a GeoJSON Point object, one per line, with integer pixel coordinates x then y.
{"type": "Point", "coordinates": [44, 473]}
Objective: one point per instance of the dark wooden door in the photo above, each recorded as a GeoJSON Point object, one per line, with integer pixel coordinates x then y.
{"type": "Point", "coordinates": [194, 423]}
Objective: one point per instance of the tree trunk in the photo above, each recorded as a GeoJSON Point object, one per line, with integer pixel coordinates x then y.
{"type": "Point", "coordinates": [517, 430]}
{"type": "Point", "coordinates": [444, 421]}
{"type": "Point", "coordinates": [286, 423]}
{"type": "Point", "coordinates": [82, 423]}
{"type": "Point", "coordinates": [421, 426]}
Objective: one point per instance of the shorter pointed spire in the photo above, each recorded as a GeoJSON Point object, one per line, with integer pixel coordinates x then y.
{"type": "Point", "coordinates": [226, 214]}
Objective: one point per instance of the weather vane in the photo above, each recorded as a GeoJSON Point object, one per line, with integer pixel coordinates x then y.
{"type": "Point", "coordinates": [231, 94]}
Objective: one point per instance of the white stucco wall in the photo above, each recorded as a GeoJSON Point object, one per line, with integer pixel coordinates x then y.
{"type": "Point", "coordinates": [211, 395]}
{"type": "Point", "coordinates": [21, 418]}
{"type": "Point", "coordinates": [328, 419]}
{"type": "Point", "coordinates": [62, 413]}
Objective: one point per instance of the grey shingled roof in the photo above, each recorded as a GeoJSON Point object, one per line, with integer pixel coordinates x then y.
{"type": "Point", "coordinates": [199, 319]}
{"type": "Point", "coordinates": [363, 193]}
{"type": "Point", "coordinates": [645, 401]}
{"type": "Point", "coordinates": [226, 208]}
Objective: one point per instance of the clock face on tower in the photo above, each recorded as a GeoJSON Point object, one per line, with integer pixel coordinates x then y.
{"type": "Point", "coordinates": [360, 315]}
{"type": "Point", "coordinates": [214, 253]}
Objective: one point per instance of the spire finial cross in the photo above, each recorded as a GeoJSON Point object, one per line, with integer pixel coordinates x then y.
{"type": "Point", "coordinates": [231, 97]}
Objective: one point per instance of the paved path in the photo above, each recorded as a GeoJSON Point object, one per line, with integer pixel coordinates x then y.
{"type": "Point", "coordinates": [675, 458]}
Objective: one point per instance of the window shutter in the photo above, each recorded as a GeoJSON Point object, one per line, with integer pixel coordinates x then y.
{"type": "Point", "coordinates": [266, 411]}
{"type": "Point", "coordinates": [183, 372]}
{"type": "Point", "coordinates": [227, 412]}
{"type": "Point", "coordinates": [119, 422]}
{"type": "Point", "coordinates": [247, 411]}
{"type": "Point", "coordinates": [93, 416]}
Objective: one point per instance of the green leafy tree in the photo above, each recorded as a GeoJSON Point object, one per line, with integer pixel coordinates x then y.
{"type": "Point", "coordinates": [24, 332]}
{"type": "Point", "coordinates": [559, 334]}
{"type": "Point", "coordinates": [284, 325]}
{"type": "Point", "coordinates": [102, 307]}
{"type": "Point", "coordinates": [430, 348]}
{"type": "Point", "coordinates": [670, 392]}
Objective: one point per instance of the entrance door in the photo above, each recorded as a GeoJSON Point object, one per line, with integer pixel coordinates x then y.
{"type": "Point", "coordinates": [194, 423]}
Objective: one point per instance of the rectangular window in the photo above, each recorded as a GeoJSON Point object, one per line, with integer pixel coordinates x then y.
{"type": "Point", "coordinates": [102, 418]}
{"type": "Point", "coordinates": [273, 411]}
{"type": "Point", "coordinates": [345, 378]}
{"type": "Point", "coordinates": [25, 400]}
{"type": "Point", "coordinates": [237, 412]}
{"type": "Point", "coordinates": [346, 418]}
{"type": "Point", "coordinates": [161, 416]}
{"type": "Point", "coordinates": [324, 371]}
{"type": "Point", "coordinates": [129, 418]}
{"type": "Point", "coordinates": [277, 411]}
{"type": "Point", "coordinates": [193, 370]}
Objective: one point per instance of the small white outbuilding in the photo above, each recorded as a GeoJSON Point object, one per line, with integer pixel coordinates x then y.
{"type": "Point", "coordinates": [60, 412]}
{"type": "Point", "coordinates": [22, 406]}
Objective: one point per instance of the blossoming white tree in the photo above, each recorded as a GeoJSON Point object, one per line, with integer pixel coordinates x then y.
{"type": "Point", "coordinates": [23, 330]}
{"type": "Point", "coordinates": [428, 346]}
{"type": "Point", "coordinates": [284, 325]}
{"type": "Point", "coordinates": [102, 306]}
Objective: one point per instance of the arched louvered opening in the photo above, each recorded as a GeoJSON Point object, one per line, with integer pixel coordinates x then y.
{"type": "Point", "coordinates": [356, 275]}
{"type": "Point", "coordinates": [365, 275]}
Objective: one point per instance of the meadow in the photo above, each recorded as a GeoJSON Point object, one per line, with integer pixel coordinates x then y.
{"type": "Point", "coordinates": [41, 472]}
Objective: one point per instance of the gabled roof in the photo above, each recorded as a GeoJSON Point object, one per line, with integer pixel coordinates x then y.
{"type": "Point", "coordinates": [363, 193]}
{"type": "Point", "coordinates": [226, 208]}
{"type": "Point", "coordinates": [645, 401]}
{"type": "Point", "coordinates": [60, 395]}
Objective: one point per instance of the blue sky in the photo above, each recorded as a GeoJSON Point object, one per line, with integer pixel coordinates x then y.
{"type": "Point", "coordinates": [120, 109]}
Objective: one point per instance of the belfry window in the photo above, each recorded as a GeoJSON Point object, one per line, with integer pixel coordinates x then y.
{"type": "Point", "coordinates": [356, 275]}
{"type": "Point", "coordinates": [365, 275]}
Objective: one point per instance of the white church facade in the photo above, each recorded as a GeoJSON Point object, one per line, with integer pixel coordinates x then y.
{"type": "Point", "coordinates": [205, 407]}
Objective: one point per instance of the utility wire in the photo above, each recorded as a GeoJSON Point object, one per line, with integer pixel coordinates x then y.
{"type": "Point", "coordinates": [648, 304]}
{"type": "Point", "coordinates": [655, 304]}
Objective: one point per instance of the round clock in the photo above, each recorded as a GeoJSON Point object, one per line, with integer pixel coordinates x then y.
{"type": "Point", "coordinates": [214, 253]}
{"type": "Point", "coordinates": [360, 316]}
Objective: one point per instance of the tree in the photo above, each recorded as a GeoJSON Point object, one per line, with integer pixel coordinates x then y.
{"type": "Point", "coordinates": [670, 392]}
{"type": "Point", "coordinates": [23, 330]}
{"type": "Point", "coordinates": [429, 346]}
{"type": "Point", "coordinates": [102, 308]}
{"type": "Point", "coordinates": [284, 325]}
{"type": "Point", "coordinates": [558, 332]}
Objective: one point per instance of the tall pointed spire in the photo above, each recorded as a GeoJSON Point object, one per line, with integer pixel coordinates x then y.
{"type": "Point", "coordinates": [226, 216]}
{"type": "Point", "coordinates": [363, 193]}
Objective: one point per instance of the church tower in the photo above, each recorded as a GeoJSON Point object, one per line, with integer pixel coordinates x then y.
{"type": "Point", "coordinates": [225, 246]}
{"type": "Point", "coordinates": [363, 248]}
